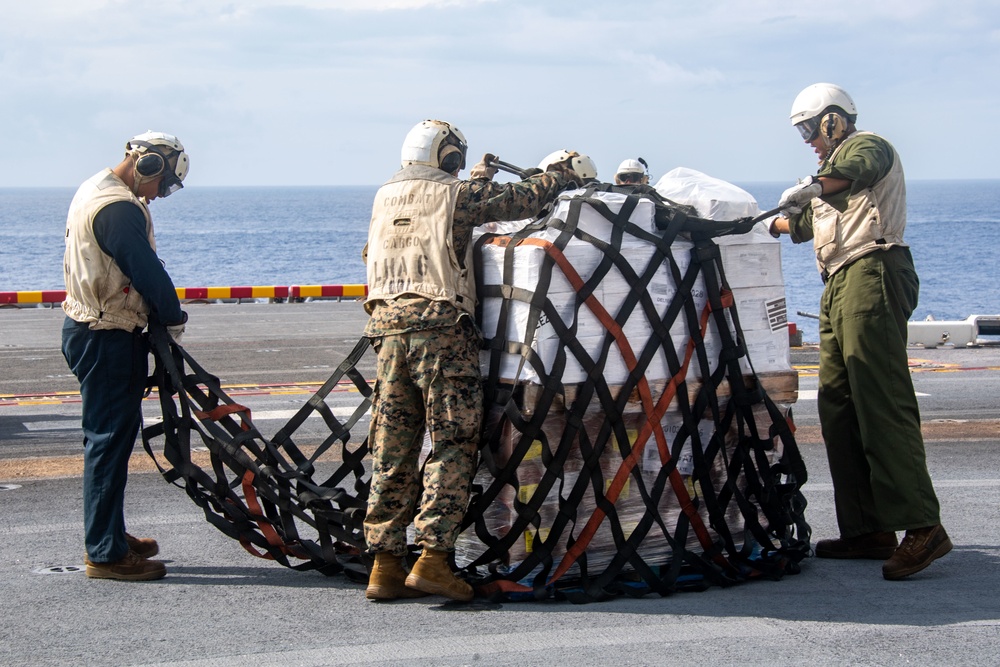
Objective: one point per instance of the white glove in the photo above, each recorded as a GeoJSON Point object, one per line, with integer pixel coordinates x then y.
{"type": "Point", "coordinates": [800, 194]}
{"type": "Point", "coordinates": [176, 331]}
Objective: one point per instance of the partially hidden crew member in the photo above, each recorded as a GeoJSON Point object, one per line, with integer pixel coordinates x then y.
{"type": "Point", "coordinates": [632, 172]}
{"type": "Point", "coordinates": [421, 299]}
{"type": "Point", "coordinates": [854, 211]}
{"type": "Point", "coordinates": [114, 284]}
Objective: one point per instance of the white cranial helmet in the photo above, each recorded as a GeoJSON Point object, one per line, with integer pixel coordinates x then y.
{"type": "Point", "coordinates": [435, 143]}
{"type": "Point", "coordinates": [632, 172]}
{"type": "Point", "coordinates": [810, 104]}
{"type": "Point", "coordinates": [582, 165]}
{"type": "Point", "coordinates": [631, 166]}
{"type": "Point", "coordinates": [158, 154]}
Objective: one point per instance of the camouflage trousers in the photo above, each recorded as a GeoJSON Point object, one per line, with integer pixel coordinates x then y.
{"type": "Point", "coordinates": [427, 381]}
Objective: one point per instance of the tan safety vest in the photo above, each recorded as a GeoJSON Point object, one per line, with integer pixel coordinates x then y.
{"type": "Point", "coordinates": [874, 220]}
{"type": "Point", "coordinates": [410, 245]}
{"type": "Point", "coordinates": [96, 289]}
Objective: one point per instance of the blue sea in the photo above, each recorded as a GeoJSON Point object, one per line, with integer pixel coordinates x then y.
{"type": "Point", "coordinates": [217, 236]}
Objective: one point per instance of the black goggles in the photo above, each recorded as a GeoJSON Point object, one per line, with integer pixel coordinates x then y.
{"type": "Point", "coordinates": [169, 184]}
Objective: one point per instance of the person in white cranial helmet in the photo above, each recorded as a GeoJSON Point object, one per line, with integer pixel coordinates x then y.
{"type": "Point", "coordinates": [632, 172]}
{"type": "Point", "coordinates": [854, 211]}
{"type": "Point", "coordinates": [114, 284]}
{"type": "Point", "coordinates": [422, 299]}
{"type": "Point", "coordinates": [582, 165]}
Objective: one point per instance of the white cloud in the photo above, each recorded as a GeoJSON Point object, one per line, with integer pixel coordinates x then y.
{"type": "Point", "coordinates": [277, 91]}
{"type": "Point", "coordinates": [661, 72]}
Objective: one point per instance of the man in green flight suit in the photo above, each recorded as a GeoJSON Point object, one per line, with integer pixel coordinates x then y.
{"type": "Point", "coordinates": [854, 211]}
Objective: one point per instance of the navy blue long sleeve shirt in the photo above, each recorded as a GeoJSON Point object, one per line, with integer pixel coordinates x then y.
{"type": "Point", "coordinates": [120, 230]}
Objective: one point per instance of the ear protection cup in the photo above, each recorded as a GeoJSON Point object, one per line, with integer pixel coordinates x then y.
{"type": "Point", "coordinates": [150, 164]}
{"type": "Point", "coordinates": [452, 159]}
{"type": "Point", "coordinates": [833, 127]}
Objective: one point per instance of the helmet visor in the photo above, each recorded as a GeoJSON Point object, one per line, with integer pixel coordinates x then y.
{"type": "Point", "coordinates": [808, 128]}
{"type": "Point", "coordinates": [169, 185]}
{"type": "Point", "coordinates": [176, 170]}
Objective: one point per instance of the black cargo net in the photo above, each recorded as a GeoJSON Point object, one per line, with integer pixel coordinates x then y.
{"type": "Point", "coordinates": [641, 455]}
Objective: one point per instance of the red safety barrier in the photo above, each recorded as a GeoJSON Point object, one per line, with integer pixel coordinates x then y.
{"type": "Point", "coordinates": [205, 293]}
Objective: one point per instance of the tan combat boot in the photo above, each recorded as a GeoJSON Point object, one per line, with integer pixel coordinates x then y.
{"type": "Point", "coordinates": [919, 548]}
{"type": "Point", "coordinates": [387, 579]}
{"type": "Point", "coordinates": [432, 574]}
{"type": "Point", "coordinates": [146, 547]}
{"type": "Point", "coordinates": [132, 567]}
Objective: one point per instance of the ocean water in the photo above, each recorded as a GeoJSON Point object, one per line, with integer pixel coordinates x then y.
{"type": "Point", "coordinates": [211, 236]}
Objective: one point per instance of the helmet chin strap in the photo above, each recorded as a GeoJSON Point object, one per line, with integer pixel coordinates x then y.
{"type": "Point", "coordinates": [828, 149]}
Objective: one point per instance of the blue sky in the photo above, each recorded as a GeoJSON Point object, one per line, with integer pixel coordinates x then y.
{"type": "Point", "coordinates": [306, 92]}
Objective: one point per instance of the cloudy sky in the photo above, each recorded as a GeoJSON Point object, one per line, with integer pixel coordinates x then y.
{"type": "Point", "coordinates": [313, 92]}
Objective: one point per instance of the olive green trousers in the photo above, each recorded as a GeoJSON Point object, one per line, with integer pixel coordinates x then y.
{"type": "Point", "coordinates": [867, 407]}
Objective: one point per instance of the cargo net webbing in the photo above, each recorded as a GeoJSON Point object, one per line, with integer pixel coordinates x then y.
{"type": "Point", "coordinates": [273, 496]}
{"type": "Point", "coordinates": [611, 463]}
{"type": "Point", "coordinates": [609, 470]}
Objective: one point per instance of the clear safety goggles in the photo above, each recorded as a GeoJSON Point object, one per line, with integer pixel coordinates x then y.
{"type": "Point", "coordinates": [808, 128]}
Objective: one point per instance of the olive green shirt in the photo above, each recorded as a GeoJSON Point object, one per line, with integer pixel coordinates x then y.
{"type": "Point", "coordinates": [864, 160]}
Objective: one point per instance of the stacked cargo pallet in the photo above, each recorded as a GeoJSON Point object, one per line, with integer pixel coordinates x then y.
{"type": "Point", "coordinates": [601, 456]}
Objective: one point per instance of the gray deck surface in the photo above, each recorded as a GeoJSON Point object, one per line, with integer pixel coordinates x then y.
{"type": "Point", "coordinates": [219, 605]}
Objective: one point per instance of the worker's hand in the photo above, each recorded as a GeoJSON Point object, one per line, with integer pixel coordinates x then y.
{"type": "Point", "coordinates": [483, 170]}
{"type": "Point", "coordinates": [531, 171]}
{"type": "Point", "coordinates": [176, 331]}
{"type": "Point", "coordinates": [800, 194]}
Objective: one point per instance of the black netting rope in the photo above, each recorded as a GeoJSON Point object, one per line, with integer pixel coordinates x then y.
{"type": "Point", "coordinates": [263, 492]}
{"type": "Point", "coordinates": [771, 488]}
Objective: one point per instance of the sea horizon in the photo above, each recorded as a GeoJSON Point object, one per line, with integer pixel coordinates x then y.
{"type": "Point", "coordinates": [283, 235]}
{"type": "Point", "coordinates": [198, 186]}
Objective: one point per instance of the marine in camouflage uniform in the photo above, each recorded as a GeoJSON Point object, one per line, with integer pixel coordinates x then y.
{"type": "Point", "coordinates": [428, 377]}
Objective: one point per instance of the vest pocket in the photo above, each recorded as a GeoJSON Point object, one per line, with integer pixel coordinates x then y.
{"type": "Point", "coordinates": [826, 233]}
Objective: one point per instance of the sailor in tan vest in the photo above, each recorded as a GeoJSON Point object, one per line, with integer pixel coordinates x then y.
{"type": "Point", "coordinates": [422, 297]}
{"type": "Point", "coordinates": [854, 211]}
{"type": "Point", "coordinates": [114, 284]}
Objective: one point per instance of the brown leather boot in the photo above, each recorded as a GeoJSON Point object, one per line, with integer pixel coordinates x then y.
{"type": "Point", "coordinates": [876, 546]}
{"type": "Point", "coordinates": [146, 547]}
{"type": "Point", "coordinates": [387, 579]}
{"type": "Point", "coordinates": [432, 574]}
{"type": "Point", "coordinates": [920, 548]}
{"type": "Point", "coordinates": [132, 567]}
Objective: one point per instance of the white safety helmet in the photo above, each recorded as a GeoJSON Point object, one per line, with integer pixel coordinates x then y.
{"type": "Point", "coordinates": [632, 172]}
{"type": "Point", "coordinates": [630, 166]}
{"type": "Point", "coordinates": [158, 154]}
{"type": "Point", "coordinates": [581, 165]}
{"type": "Point", "coordinates": [435, 143]}
{"type": "Point", "coordinates": [809, 105]}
